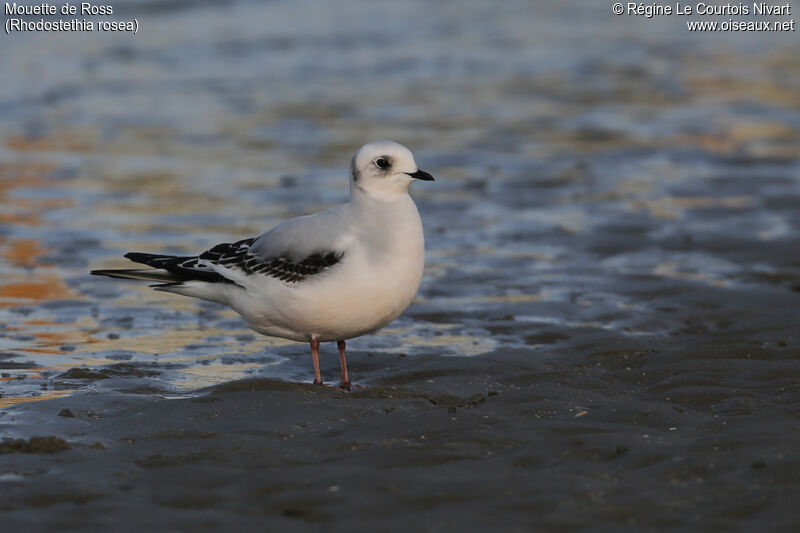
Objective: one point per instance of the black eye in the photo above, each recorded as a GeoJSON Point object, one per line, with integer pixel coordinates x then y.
{"type": "Point", "coordinates": [382, 163]}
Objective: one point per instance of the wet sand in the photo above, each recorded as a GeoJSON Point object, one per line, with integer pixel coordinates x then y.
{"type": "Point", "coordinates": [606, 338]}
{"type": "Point", "coordinates": [630, 437]}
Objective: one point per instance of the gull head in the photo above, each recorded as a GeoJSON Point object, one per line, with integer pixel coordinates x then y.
{"type": "Point", "coordinates": [384, 167]}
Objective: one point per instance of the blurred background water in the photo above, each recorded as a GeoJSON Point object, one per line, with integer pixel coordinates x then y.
{"type": "Point", "coordinates": [601, 180]}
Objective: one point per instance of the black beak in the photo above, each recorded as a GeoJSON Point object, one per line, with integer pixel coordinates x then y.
{"type": "Point", "coordinates": [420, 175]}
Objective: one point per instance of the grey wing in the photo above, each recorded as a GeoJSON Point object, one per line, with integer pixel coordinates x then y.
{"type": "Point", "coordinates": [281, 266]}
{"type": "Point", "coordinates": [292, 251]}
{"type": "Point", "coordinates": [234, 256]}
{"type": "Point", "coordinates": [298, 238]}
{"type": "Point", "coordinates": [173, 269]}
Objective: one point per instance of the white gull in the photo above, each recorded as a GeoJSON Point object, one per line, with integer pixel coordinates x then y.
{"type": "Point", "coordinates": [331, 276]}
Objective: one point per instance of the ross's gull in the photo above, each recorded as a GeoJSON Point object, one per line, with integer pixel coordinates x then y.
{"type": "Point", "coordinates": [331, 276]}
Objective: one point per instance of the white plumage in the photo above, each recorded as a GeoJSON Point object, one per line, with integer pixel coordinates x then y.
{"type": "Point", "coordinates": [334, 275]}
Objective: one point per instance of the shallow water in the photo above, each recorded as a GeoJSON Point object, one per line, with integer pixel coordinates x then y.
{"type": "Point", "coordinates": [602, 182]}
{"type": "Point", "coordinates": [607, 332]}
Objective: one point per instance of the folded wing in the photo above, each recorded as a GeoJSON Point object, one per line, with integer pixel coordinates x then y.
{"type": "Point", "coordinates": [236, 256]}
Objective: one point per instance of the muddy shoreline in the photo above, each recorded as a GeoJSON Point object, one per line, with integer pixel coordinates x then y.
{"type": "Point", "coordinates": [605, 339]}
{"type": "Point", "coordinates": [616, 438]}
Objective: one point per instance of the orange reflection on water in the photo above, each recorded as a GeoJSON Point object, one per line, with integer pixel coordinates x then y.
{"type": "Point", "coordinates": [26, 211]}
{"type": "Point", "coordinates": [26, 174]}
{"type": "Point", "coordinates": [23, 252]}
{"type": "Point", "coordinates": [26, 289]}
{"type": "Point", "coordinates": [27, 219]}
{"type": "Point", "coordinates": [45, 395]}
{"type": "Point", "coordinates": [70, 141]}
{"type": "Point", "coordinates": [50, 342]}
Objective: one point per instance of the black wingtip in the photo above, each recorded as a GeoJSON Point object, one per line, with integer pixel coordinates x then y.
{"type": "Point", "coordinates": [143, 258]}
{"type": "Point", "coordinates": [121, 274]}
{"type": "Point", "coordinates": [165, 286]}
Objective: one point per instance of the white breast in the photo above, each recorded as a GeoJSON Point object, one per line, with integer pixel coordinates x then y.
{"type": "Point", "coordinates": [374, 283]}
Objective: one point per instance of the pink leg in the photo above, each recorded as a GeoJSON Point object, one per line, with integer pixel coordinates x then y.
{"type": "Point", "coordinates": [345, 384]}
{"type": "Point", "coordinates": [315, 355]}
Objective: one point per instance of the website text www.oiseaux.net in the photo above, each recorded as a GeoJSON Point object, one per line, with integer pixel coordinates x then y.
{"type": "Point", "coordinates": [702, 9]}
{"type": "Point", "coordinates": [740, 25]}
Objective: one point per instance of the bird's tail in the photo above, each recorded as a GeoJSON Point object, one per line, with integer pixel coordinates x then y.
{"type": "Point", "coordinates": [176, 274]}
{"type": "Point", "coordinates": [147, 274]}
